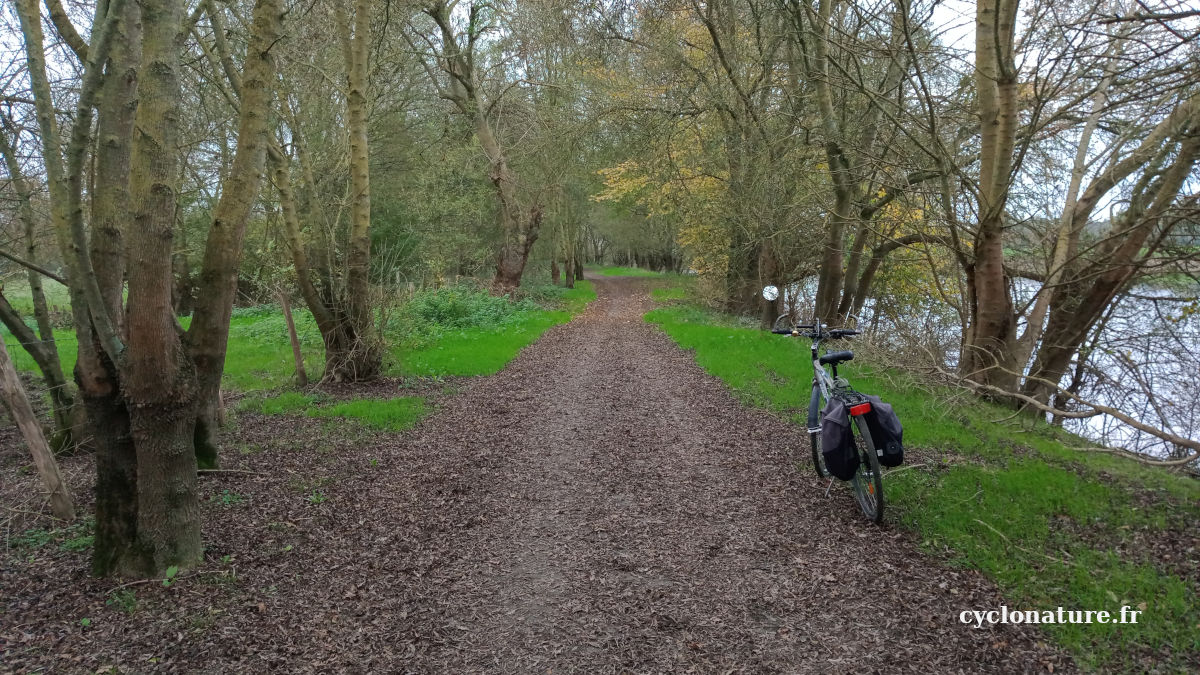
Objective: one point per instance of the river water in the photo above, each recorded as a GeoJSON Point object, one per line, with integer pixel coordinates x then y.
{"type": "Point", "coordinates": [1145, 361]}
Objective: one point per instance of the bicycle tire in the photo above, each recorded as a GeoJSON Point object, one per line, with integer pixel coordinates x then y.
{"type": "Point", "coordinates": [815, 405]}
{"type": "Point", "coordinates": [868, 480]}
{"type": "Point", "coordinates": [784, 322]}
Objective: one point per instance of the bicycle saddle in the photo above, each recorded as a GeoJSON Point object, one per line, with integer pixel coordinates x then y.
{"type": "Point", "coordinates": [836, 358]}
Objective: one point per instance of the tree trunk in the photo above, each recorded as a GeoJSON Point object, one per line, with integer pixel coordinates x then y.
{"type": "Point", "coordinates": [208, 335]}
{"type": "Point", "coordinates": [768, 275]}
{"type": "Point", "coordinates": [988, 350]}
{"type": "Point", "coordinates": [45, 355]}
{"type": "Point", "coordinates": [114, 550]}
{"type": "Point", "coordinates": [554, 273]}
{"type": "Point", "coordinates": [360, 357]}
{"type": "Point", "coordinates": [519, 225]}
{"type": "Point", "coordinates": [41, 347]}
{"type": "Point", "coordinates": [297, 355]}
{"type": "Point", "coordinates": [43, 458]}
{"type": "Point", "coordinates": [110, 200]}
{"type": "Point", "coordinates": [1090, 290]}
{"type": "Point", "coordinates": [342, 354]}
{"type": "Point", "coordinates": [159, 380]}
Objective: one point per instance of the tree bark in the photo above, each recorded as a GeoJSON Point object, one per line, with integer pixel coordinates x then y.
{"type": "Point", "coordinates": [116, 547]}
{"type": "Point", "coordinates": [110, 200]}
{"type": "Point", "coordinates": [1090, 289]}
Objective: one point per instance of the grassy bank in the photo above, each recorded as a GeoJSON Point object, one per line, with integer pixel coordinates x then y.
{"type": "Point", "coordinates": [1051, 526]}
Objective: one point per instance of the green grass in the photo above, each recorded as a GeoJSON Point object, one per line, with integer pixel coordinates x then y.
{"type": "Point", "coordinates": [463, 331]}
{"type": "Point", "coordinates": [1010, 499]}
{"type": "Point", "coordinates": [396, 414]}
{"type": "Point", "coordinates": [259, 356]}
{"type": "Point", "coordinates": [628, 272]}
{"type": "Point", "coordinates": [668, 294]}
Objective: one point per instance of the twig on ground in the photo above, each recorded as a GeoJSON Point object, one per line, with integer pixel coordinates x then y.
{"type": "Point", "coordinates": [904, 468]}
{"type": "Point", "coordinates": [1022, 548]}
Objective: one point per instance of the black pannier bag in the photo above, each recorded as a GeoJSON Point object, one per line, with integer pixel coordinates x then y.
{"type": "Point", "coordinates": [886, 432]}
{"type": "Point", "coordinates": [837, 440]}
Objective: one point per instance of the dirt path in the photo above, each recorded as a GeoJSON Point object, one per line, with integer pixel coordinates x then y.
{"type": "Point", "coordinates": [601, 505]}
{"type": "Point", "coordinates": [640, 519]}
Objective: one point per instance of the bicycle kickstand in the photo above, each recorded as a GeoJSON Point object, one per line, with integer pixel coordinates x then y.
{"type": "Point", "coordinates": [829, 487]}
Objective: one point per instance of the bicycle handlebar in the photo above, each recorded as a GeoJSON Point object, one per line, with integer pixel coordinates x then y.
{"type": "Point", "coordinates": [835, 333]}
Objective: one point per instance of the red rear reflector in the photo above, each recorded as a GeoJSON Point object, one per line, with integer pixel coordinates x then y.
{"type": "Point", "coordinates": [860, 409]}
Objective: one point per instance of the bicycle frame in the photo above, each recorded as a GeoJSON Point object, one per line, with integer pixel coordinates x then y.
{"type": "Point", "coordinates": [823, 383]}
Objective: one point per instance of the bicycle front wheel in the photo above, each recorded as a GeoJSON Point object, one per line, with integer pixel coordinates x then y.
{"type": "Point", "coordinates": [815, 405]}
{"type": "Point", "coordinates": [868, 480]}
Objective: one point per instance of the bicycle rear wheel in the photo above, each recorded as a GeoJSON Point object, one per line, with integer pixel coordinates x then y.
{"type": "Point", "coordinates": [868, 480]}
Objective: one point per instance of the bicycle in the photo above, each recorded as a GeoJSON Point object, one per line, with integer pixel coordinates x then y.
{"type": "Point", "coordinates": [867, 481]}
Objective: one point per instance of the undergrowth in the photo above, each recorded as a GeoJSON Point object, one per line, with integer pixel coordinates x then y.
{"type": "Point", "coordinates": [1051, 526]}
{"type": "Point", "coordinates": [461, 331]}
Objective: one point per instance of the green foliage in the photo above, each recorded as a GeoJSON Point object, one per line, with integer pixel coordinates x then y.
{"type": "Point", "coordinates": [82, 543]}
{"type": "Point", "coordinates": [482, 348]}
{"type": "Point", "coordinates": [170, 578]}
{"type": "Point", "coordinates": [452, 308]}
{"type": "Point", "coordinates": [668, 294]}
{"type": "Point", "coordinates": [285, 403]}
{"type": "Point", "coordinates": [31, 539]}
{"type": "Point", "coordinates": [227, 498]}
{"type": "Point", "coordinates": [77, 536]}
{"type": "Point", "coordinates": [317, 497]}
{"type": "Point", "coordinates": [1043, 521]}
